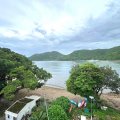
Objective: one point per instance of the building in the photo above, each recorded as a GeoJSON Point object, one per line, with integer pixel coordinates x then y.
{"type": "Point", "coordinates": [21, 108]}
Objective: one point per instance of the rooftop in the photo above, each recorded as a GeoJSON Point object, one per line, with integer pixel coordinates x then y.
{"type": "Point", "coordinates": [18, 105]}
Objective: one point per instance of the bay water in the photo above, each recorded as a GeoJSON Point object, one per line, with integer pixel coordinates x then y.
{"type": "Point", "coordinates": [60, 70]}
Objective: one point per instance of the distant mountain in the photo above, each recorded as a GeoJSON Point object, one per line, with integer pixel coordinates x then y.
{"type": "Point", "coordinates": [97, 54]}
{"type": "Point", "coordinates": [47, 56]}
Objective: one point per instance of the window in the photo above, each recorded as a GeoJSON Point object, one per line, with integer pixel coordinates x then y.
{"type": "Point", "coordinates": [8, 116]}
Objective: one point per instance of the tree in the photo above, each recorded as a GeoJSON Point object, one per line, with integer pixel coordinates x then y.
{"type": "Point", "coordinates": [56, 112]}
{"type": "Point", "coordinates": [89, 79]}
{"type": "Point", "coordinates": [40, 73]}
{"type": "Point", "coordinates": [5, 68]}
{"type": "Point", "coordinates": [14, 66]}
{"type": "Point", "coordinates": [63, 102]}
{"type": "Point", "coordinates": [111, 79]}
{"type": "Point", "coordinates": [9, 91]}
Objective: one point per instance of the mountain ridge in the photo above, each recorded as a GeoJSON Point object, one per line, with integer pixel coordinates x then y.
{"type": "Point", "coordinates": [96, 54]}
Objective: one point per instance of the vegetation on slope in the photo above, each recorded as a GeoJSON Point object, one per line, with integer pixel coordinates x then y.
{"type": "Point", "coordinates": [17, 71]}
{"type": "Point", "coordinates": [98, 54]}
{"type": "Point", "coordinates": [47, 56]}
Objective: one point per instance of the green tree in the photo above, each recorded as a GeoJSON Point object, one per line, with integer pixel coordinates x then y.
{"type": "Point", "coordinates": [56, 112]}
{"type": "Point", "coordinates": [14, 66]}
{"type": "Point", "coordinates": [63, 102]}
{"type": "Point", "coordinates": [9, 91]}
{"type": "Point", "coordinates": [85, 80]}
{"type": "Point", "coordinates": [111, 79]}
{"type": "Point", "coordinates": [89, 79]}
{"type": "Point", "coordinates": [40, 73]}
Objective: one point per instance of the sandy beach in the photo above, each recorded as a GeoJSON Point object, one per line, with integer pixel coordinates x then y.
{"type": "Point", "coordinates": [52, 93]}
{"type": "Point", "coordinates": [49, 93]}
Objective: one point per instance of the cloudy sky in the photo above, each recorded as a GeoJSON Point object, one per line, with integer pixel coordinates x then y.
{"type": "Point", "coordinates": [36, 26]}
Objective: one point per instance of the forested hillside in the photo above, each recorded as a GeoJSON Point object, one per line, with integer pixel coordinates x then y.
{"type": "Point", "coordinates": [97, 54]}
{"type": "Point", "coordinates": [18, 71]}
{"type": "Point", "coordinates": [47, 56]}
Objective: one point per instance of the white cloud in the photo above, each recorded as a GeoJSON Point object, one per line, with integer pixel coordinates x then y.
{"type": "Point", "coordinates": [58, 24]}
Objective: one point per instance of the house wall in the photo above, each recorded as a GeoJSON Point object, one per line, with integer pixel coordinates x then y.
{"type": "Point", "coordinates": [11, 115]}
{"type": "Point", "coordinates": [26, 110]}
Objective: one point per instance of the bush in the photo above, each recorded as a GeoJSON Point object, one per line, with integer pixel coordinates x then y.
{"type": "Point", "coordinates": [63, 102]}
{"type": "Point", "coordinates": [9, 91]}
{"type": "Point", "coordinates": [56, 112]}
{"type": "Point", "coordinates": [30, 83]}
{"type": "Point", "coordinates": [39, 113]}
{"type": "Point", "coordinates": [16, 83]}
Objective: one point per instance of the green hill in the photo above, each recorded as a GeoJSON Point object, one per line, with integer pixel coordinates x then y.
{"type": "Point", "coordinates": [97, 54]}
{"type": "Point", "coordinates": [47, 56]}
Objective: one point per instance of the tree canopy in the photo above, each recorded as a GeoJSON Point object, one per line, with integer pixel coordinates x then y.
{"type": "Point", "coordinates": [14, 66]}
{"type": "Point", "coordinates": [56, 112]}
{"type": "Point", "coordinates": [63, 102]}
{"type": "Point", "coordinates": [89, 79]}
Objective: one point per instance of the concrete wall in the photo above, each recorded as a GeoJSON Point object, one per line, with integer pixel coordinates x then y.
{"type": "Point", "coordinates": [26, 110]}
{"type": "Point", "coordinates": [10, 114]}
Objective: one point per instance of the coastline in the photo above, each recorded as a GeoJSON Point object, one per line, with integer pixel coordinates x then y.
{"type": "Point", "coordinates": [53, 92]}
{"type": "Point", "coordinates": [54, 86]}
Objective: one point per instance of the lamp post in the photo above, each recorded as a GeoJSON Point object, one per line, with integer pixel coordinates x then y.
{"type": "Point", "coordinates": [91, 97]}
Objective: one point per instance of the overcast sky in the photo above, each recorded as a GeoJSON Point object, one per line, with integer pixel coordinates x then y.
{"type": "Point", "coordinates": [36, 26]}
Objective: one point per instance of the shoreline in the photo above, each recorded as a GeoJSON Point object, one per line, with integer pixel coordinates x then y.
{"type": "Point", "coordinates": [54, 86]}
{"type": "Point", "coordinates": [53, 92]}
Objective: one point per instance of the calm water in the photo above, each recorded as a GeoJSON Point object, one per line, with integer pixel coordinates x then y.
{"type": "Point", "coordinates": [60, 70]}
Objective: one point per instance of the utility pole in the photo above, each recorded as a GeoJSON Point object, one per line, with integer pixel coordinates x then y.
{"type": "Point", "coordinates": [46, 107]}
{"type": "Point", "coordinates": [91, 97]}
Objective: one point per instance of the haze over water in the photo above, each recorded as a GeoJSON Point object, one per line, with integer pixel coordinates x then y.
{"type": "Point", "coordinates": [60, 70]}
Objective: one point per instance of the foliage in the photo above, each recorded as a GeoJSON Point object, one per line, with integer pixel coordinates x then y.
{"type": "Point", "coordinates": [109, 114]}
{"type": "Point", "coordinates": [30, 83]}
{"type": "Point", "coordinates": [16, 83]}
{"type": "Point", "coordinates": [9, 91]}
{"type": "Point", "coordinates": [85, 80]}
{"type": "Point", "coordinates": [88, 79]}
{"type": "Point", "coordinates": [56, 112]}
{"type": "Point", "coordinates": [40, 73]}
{"type": "Point", "coordinates": [39, 113]}
{"type": "Point", "coordinates": [98, 54]}
{"type": "Point", "coordinates": [14, 66]}
{"type": "Point", "coordinates": [111, 79]}
{"type": "Point", "coordinates": [63, 102]}
{"type": "Point", "coordinates": [47, 56]}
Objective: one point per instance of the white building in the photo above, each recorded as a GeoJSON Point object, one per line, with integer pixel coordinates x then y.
{"type": "Point", "coordinates": [21, 108]}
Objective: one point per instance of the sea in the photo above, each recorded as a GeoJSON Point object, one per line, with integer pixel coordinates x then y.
{"type": "Point", "coordinates": [60, 70]}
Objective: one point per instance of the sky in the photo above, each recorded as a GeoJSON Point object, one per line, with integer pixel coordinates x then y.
{"type": "Point", "coordinates": [36, 26]}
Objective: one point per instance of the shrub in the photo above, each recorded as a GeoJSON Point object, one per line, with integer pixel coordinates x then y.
{"type": "Point", "coordinates": [9, 91]}
{"type": "Point", "coordinates": [63, 102]}
{"type": "Point", "coordinates": [56, 112]}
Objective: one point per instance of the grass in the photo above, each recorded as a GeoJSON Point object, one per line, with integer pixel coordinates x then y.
{"type": "Point", "coordinates": [109, 114]}
{"type": "Point", "coordinates": [98, 114]}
